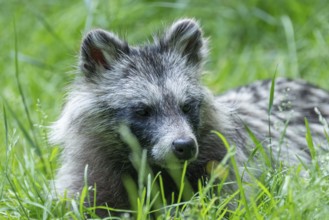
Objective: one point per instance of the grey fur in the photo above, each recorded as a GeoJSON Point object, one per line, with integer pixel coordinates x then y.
{"type": "Point", "coordinates": [155, 91]}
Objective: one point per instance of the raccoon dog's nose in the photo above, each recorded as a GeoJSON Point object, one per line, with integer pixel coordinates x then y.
{"type": "Point", "coordinates": [184, 148]}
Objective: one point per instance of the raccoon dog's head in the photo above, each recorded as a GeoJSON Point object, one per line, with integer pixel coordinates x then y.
{"type": "Point", "coordinates": [153, 89]}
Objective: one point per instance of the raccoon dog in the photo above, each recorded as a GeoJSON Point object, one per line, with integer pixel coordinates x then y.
{"type": "Point", "coordinates": [154, 90]}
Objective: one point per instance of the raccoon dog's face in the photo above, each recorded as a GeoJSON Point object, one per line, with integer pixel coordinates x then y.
{"type": "Point", "coordinates": [154, 89]}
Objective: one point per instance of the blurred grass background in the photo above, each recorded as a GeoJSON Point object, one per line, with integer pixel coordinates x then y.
{"type": "Point", "coordinates": [249, 40]}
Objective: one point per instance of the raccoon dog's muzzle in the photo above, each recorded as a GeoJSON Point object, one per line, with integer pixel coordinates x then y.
{"type": "Point", "coordinates": [176, 145]}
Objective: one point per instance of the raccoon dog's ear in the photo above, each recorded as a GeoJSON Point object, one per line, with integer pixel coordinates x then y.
{"type": "Point", "coordinates": [99, 51]}
{"type": "Point", "coordinates": [185, 36]}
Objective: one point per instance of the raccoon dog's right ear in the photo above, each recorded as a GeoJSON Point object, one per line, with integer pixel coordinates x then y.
{"type": "Point", "coordinates": [99, 51]}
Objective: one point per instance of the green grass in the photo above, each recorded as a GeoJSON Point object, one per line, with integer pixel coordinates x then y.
{"type": "Point", "coordinates": [249, 40]}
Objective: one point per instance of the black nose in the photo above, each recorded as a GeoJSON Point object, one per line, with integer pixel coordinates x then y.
{"type": "Point", "coordinates": [184, 148]}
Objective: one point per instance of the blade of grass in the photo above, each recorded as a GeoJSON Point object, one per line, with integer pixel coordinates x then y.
{"type": "Point", "coordinates": [163, 196]}
{"type": "Point", "coordinates": [258, 146]}
{"type": "Point", "coordinates": [291, 43]}
{"type": "Point", "coordinates": [271, 100]}
{"type": "Point", "coordinates": [6, 145]}
{"type": "Point", "coordinates": [19, 86]}
{"type": "Point", "coordinates": [237, 175]}
{"type": "Point", "coordinates": [270, 108]}
{"type": "Point", "coordinates": [310, 144]}
{"type": "Point", "coordinates": [309, 139]}
{"type": "Point", "coordinates": [25, 133]}
{"type": "Point", "coordinates": [6, 124]}
{"type": "Point", "coordinates": [182, 187]}
{"type": "Point", "coordinates": [32, 140]}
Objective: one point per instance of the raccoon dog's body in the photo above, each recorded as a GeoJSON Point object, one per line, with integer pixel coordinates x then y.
{"type": "Point", "coordinates": [155, 91]}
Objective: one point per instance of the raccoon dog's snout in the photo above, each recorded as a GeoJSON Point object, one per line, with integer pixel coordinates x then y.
{"type": "Point", "coordinates": [184, 148]}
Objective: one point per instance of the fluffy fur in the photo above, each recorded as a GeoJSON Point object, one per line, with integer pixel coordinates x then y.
{"type": "Point", "coordinates": [154, 90]}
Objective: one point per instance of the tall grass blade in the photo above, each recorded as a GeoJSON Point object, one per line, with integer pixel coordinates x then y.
{"type": "Point", "coordinates": [271, 100]}
{"type": "Point", "coordinates": [5, 169]}
{"type": "Point", "coordinates": [19, 86]}
{"type": "Point", "coordinates": [270, 107]}
{"type": "Point", "coordinates": [291, 42]}
{"type": "Point", "coordinates": [310, 144]}
{"type": "Point", "coordinates": [6, 125]}
{"type": "Point", "coordinates": [236, 172]}
{"type": "Point", "coordinates": [309, 139]}
{"type": "Point", "coordinates": [32, 140]}
{"type": "Point", "coordinates": [258, 147]}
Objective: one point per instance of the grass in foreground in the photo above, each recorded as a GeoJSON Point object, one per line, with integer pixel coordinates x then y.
{"type": "Point", "coordinates": [281, 193]}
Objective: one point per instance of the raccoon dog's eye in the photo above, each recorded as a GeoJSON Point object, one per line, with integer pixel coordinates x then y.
{"type": "Point", "coordinates": [187, 107]}
{"type": "Point", "coordinates": [143, 111]}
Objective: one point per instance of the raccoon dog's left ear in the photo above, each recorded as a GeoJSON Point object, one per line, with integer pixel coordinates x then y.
{"type": "Point", "coordinates": [99, 51]}
{"type": "Point", "coordinates": [185, 37]}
